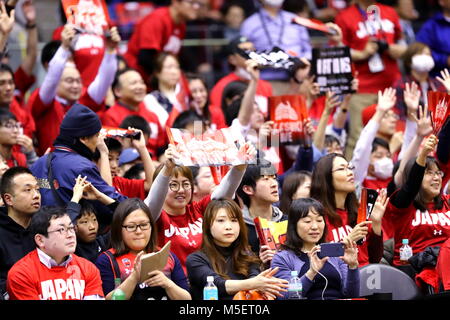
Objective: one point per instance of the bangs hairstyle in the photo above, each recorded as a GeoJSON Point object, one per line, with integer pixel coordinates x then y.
{"type": "Point", "coordinates": [322, 189]}
{"type": "Point", "coordinates": [419, 201]}
{"type": "Point", "coordinates": [290, 185]}
{"type": "Point", "coordinates": [178, 171]}
{"type": "Point", "coordinates": [242, 256]}
{"type": "Point", "coordinates": [122, 211]}
{"type": "Point", "coordinates": [300, 209]}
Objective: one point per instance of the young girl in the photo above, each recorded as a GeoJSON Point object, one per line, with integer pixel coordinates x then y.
{"type": "Point", "coordinates": [333, 185]}
{"type": "Point", "coordinates": [133, 233]}
{"type": "Point", "coordinates": [226, 255]}
{"type": "Point", "coordinates": [170, 201]}
{"type": "Point", "coordinates": [307, 229]}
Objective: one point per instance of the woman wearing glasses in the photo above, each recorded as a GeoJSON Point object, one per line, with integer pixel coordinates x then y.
{"type": "Point", "coordinates": [333, 185]}
{"type": "Point", "coordinates": [419, 210]}
{"type": "Point", "coordinates": [178, 218]}
{"type": "Point", "coordinates": [133, 233]}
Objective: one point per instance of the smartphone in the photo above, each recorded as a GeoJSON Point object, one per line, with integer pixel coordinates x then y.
{"type": "Point", "coordinates": [332, 249]}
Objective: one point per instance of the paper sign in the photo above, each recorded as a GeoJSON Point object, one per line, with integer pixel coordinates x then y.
{"type": "Point", "coordinates": [271, 233]}
{"type": "Point", "coordinates": [88, 16]}
{"type": "Point", "coordinates": [333, 69]}
{"type": "Point", "coordinates": [154, 261]}
{"type": "Point", "coordinates": [288, 112]}
{"type": "Point", "coordinates": [112, 132]}
{"type": "Point", "coordinates": [366, 203]}
{"type": "Point", "coordinates": [222, 147]}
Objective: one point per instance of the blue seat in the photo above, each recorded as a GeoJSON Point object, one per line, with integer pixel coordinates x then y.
{"type": "Point", "coordinates": [381, 278]}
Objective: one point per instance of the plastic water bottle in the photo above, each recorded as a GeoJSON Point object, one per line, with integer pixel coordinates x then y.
{"type": "Point", "coordinates": [295, 287]}
{"type": "Point", "coordinates": [118, 293]}
{"type": "Point", "coordinates": [405, 252]}
{"type": "Point", "coordinates": [210, 291]}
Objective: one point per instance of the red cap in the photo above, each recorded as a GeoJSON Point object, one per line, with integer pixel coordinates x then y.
{"type": "Point", "coordinates": [368, 113]}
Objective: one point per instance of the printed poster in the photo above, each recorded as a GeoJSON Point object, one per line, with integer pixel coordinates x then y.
{"type": "Point", "coordinates": [333, 69]}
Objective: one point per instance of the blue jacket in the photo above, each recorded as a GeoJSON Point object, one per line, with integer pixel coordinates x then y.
{"type": "Point", "coordinates": [287, 261]}
{"type": "Point", "coordinates": [66, 167]}
{"type": "Point", "coordinates": [435, 33]}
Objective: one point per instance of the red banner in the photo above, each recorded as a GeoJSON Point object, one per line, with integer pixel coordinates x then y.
{"type": "Point", "coordinates": [89, 16]}
{"type": "Point", "coordinates": [288, 113]}
{"type": "Point", "coordinates": [439, 107]}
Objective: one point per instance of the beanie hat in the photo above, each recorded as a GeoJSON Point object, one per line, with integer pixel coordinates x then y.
{"type": "Point", "coordinates": [80, 121]}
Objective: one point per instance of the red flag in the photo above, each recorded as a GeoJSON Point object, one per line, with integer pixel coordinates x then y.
{"type": "Point", "coordinates": [439, 106]}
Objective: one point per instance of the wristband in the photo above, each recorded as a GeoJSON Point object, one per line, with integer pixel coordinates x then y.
{"type": "Point", "coordinates": [30, 26]}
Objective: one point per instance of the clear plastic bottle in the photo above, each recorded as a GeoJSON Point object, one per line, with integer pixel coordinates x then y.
{"type": "Point", "coordinates": [118, 293]}
{"type": "Point", "coordinates": [295, 287]}
{"type": "Point", "coordinates": [405, 252]}
{"type": "Point", "coordinates": [210, 291]}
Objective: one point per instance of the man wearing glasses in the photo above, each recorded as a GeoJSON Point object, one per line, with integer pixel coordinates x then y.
{"type": "Point", "coordinates": [161, 31]}
{"type": "Point", "coordinates": [53, 271]}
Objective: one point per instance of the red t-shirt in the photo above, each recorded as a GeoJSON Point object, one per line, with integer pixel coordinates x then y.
{"type": "Point", "coordinates": [23, 82]}
{"type": "Point", "coordinates": [155, 31]}
{"type": "Point", "coordinates": [24, 116]}
{"type": "Point", "coordinates": [30, 279]}
{"type": "Point", "coordinates": [184, 231]}
{"type": "Point", "coordinates": [376, 184]}
{"type": "Point", "coordinates": [132, 188]}
{"type": "Point", "coordinates": [338, 233]}
{"type": "Point", "coordinates": [117, 113]}
{"type": "Point", "coordinates": [49, 117]}
{"type": "Point", "coordinates": [88, 54]}
{"type": "Point", "coordinates": [263, 88]}
{"type": "Point", "coordinates": [423, 229]}
{"type": "Point", "coordinates": [357, 30]}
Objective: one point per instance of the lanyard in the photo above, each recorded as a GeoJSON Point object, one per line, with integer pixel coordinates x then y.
{"type": "Point", "coordinates": [61, 148]}
{"type": "Point", "coordinates": [266, 31]}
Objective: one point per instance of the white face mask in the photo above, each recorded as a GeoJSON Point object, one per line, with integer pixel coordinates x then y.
{"type": "Point", "coordinates": [422, 63]}
{"type": "Point", "coordinates": [274, 3]}
{"type": "Point", "coordinates": [243, 74]}
{"type": "Point", "coordinates": [383, 168]}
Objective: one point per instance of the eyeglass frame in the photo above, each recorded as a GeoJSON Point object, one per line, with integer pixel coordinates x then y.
{"type": "Point", "coordinates": [350, 167]}
{"type": "Point", "coordinates": [197, 3]}
{"type": "Point", "coordinates": [180, 185]}
{"type": "Point", "coordinates": [63, 230]}
{"type": "Point", "coordinates": [9, 125]}
{"type": "Point", "coordinates": [134, 227]}
{"type": "Point", "coordinates": [439, 173]}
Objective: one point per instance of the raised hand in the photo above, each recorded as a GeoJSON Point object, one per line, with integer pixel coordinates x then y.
{"type": "Point", "coordinates": [78, 188]}
{"type": "Point", "coordinates": [331, 101]}
{"type": "Point", "coordinates": [386, 99]}
{"type": "Point", "coordinates": [67, 36]}
{"type": "Point", "coordinates": [252, 69]}
{"type": "Point", "coordinates": [378, 211]}
{"type": "Point", "coordinates": [112, 41]}
{"type": "Point", "coordinates": [29, 11]}
{"type": "Point", "coordinates": [6, 22]}
{"type": "Point", "coordinates": [101, 145]}
{"type": "Point", "coordinates": [411, 96]}
{"type": "Point", "coordinates": [424, 125]}
{"type": "Point", "coordinates": [445, 79]}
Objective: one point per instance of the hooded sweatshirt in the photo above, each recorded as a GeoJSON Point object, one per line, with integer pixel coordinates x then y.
{"type": "Point", "coordinates": [15, 243]}
{"type": "Point", "coordinates": [253, 240]}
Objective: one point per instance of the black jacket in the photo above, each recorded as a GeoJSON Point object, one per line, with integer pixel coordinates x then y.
{"type": "Point", "coordinates": [15, 243]}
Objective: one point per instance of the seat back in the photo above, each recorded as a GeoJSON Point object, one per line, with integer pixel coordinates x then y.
{"type": "Point", "coordinates": [381, 278]}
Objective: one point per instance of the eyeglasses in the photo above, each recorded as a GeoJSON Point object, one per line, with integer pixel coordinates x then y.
{"type": "Point", "coordinates": [174, 186]}
{"type": "Point", "coordinates": [391, 114]}
{"type": "Point", "coordinates": [197, 4]}
{"type": "Point", "coordinates": [12, 125]}
{"type": "Point", "coordinates": [133, 227]}
{"type": "Point", "coordinates": [345, 168]}
{"type": "Point", "coordinates": [439, 173]}
{"type": "Point", "coordinates": [64, 230]}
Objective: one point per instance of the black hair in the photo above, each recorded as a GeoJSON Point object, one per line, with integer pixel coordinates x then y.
{"type": "Point", "coordinates": [234, 90]}
{"type": "Point", "coordinates": [137, 122]}
{"type": "Point", "coordinates": [6, 182]}
{"type": "Point", "coordinates": [330, 139]}
{"type": "Point", "coordinates": [300, 209]}
{"type": "Point", "coordinates": [135, 171]}
{"type": "Point", "coordinates": [252, 174]}
{"type": "Point", "coordinates": [113, 145]}
{"type": "Point", "coordinates": [6, 68]}
{"type": "Point", "coordinates": [379, 142]}
{"type": "Point", "coordinates": [48, 51]}
{"type": "Point", "coordinates": [41, 220]}
{"type": "Point", "coordinates": [86, 207]}
{"type": "Point", "coordinates": [6, 115]}
{"type": "Point", "coordinates": [185, 118]}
